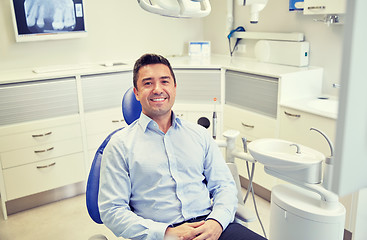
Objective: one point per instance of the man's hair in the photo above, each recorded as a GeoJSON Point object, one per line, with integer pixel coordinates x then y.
{"type": "Point", "coordinates": [148, 59]}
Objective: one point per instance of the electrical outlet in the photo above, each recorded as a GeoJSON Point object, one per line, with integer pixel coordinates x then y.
{"type": "Point", "coordinates": [241, 48]}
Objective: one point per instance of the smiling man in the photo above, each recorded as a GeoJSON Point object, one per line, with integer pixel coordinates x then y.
{"type": "Point", "coordinates": [163, 177]}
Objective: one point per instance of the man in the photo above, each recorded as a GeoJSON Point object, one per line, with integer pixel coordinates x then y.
{"type": "Point", "coordinates": [162, 177]}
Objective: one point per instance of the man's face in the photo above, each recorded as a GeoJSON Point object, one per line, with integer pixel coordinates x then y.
{"type": "Point", "coordinates": [156, 90]}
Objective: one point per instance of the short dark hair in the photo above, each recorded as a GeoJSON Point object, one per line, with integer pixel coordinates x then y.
{"type": "Point", "coordinates": [148, 59]}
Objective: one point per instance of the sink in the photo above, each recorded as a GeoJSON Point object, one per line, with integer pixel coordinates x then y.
{"type": "Point", "coordinates": [282, 155]}
{"type": "Point", "coordinates": [325, 105]}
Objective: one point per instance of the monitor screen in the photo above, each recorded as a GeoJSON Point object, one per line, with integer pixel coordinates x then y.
{"type": "Point", "coordinates": [36, 20]}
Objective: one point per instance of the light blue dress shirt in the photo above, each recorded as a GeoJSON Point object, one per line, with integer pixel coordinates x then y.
{"type": "Point", "coordinates": [150, 180]}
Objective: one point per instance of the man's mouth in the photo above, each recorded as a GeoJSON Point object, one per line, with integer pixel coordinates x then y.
{"type": "Point", "coordinates": [158, 99]}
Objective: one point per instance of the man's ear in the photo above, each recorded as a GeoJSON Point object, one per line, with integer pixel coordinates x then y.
{"type": "Point", "coordinates": [136, 94]}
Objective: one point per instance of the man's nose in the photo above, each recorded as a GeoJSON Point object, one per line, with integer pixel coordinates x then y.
{"type": "Point", "coordinates": [158, 88]}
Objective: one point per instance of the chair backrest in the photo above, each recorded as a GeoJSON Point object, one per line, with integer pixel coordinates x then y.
{"type": "Point", "coordinates": [131, 109]}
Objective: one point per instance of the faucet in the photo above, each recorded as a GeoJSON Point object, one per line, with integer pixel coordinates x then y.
{"type": "Point", "coordinates": [327, 139]}
{"type": "Point", "coordinates": [297, 146]}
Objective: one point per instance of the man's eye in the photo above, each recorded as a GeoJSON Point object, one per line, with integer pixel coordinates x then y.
{"type": "Point", "coordinates": [147, 83]}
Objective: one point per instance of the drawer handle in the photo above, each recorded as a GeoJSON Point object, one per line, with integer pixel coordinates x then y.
{"type": "Point", "coordinates": [292, 115]}
{"type": "Point", "coordinates": [316, 7]}
{"type": "Point", "coordinates": [247, 125]}
{"type": "Point", "coordinates": [117, 121]}
{"type": "Point", "coordinates": [42, 135]}
{"type": "Point", "coordinates": [46, 166]}
{"type": "Point", "coordinates": [45, 150]}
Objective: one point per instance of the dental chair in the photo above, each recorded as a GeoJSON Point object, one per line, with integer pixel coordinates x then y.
{"type": "Point", "coordinates": [131, 109]}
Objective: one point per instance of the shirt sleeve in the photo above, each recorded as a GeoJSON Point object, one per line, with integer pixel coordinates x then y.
{"type": "Point", "coordinates": [221, 185]}
{"type": "Point", "coordinates": [113, 200]}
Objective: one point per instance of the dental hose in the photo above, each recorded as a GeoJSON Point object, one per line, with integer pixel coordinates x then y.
{"type": "Point", "coordinates": [251, 189]}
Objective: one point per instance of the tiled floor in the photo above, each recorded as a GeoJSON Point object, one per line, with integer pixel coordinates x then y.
{"type": "Point", "coordinates": [69, 220]}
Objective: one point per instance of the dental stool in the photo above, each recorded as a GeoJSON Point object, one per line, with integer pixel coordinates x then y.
{"type": "Point", "coordinates": [131, 109]}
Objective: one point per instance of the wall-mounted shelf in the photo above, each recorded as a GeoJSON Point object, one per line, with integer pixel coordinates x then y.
{"type": "Point", "coordinates": [295, 37]}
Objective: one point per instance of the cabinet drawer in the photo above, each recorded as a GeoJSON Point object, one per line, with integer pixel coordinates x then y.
{"type": "Point", "coordinates": [295, 126]}
{"type": "Point", "coordinates": [42, 176]}
{"type": "Point", "coordinates": [104, 121]}
{"type": "Point", "coordinates": [39, 137]}
{"type": "Point", "coordinates": [41, 152]}
{"type": "Point", "coordinates": [249, 123]}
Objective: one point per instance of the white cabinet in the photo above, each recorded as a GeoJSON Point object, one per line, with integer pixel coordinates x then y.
{"type": "Point", "coordinates": [324, 6]}
{"type": "Point", "coordinates": [295, 126]}
{"type": "Point", "coordinates": [251, 108]}
{"type": "Point", "coordinates": [39, 156]}
{"type": "Point", "coordinates": [41, 144]}
{"type": "Point", "coordinates": [198, 86]}
{"type": "Point", "coordinates": [102, 97]}
{"type": "Point", "coordinates": [251, 126]}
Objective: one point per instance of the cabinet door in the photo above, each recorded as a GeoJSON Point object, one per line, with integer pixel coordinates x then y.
{"type": "Point", "coordinates": [198, 86]}
{"type": "Point", "coordinates": [103, 91]}
{"type": "Point", "coordinates": [324, 6]}
{"type": "Point", "coordinates": [251, 126]}
{"type": "Point", "coordinates": [255, 93]}
{"type": "Point", "coordinates": [36, 100]}
{"type": "Point", "coordinates": [295, 126]}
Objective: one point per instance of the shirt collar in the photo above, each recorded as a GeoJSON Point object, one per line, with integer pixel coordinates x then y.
{"type": "Point", "coordinates": [146, 122]}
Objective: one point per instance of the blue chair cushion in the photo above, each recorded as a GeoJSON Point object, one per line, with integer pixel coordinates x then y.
{"type": "Point", "coordinates": [131, 109]}
{"type": "Point", "coordinates": [93, 182]}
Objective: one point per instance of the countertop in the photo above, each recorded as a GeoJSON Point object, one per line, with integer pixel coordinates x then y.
{"type": "Point", "coordinates": [240, 64]}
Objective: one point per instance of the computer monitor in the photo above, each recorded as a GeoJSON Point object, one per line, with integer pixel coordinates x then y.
{"type": "Point", "coordinates": [36, 20]}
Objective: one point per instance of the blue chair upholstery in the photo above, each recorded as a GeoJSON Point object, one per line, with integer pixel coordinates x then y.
{"type": "Point", "coordinates": [131, 109]}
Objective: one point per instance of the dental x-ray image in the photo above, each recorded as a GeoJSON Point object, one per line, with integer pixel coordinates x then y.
{"type": "Point", "coordinates": [49, 15]}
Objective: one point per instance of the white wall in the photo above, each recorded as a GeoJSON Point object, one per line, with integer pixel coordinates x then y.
{"type": "Point", "coordinates": [117, 30]}
{"type": "Point", "coordinates": [325, 42]}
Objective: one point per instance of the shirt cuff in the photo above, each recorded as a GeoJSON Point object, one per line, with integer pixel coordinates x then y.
{"type": "Point", "coordinates": [157, 231]}
{"type": "Point", "coordinates": [223, 216]}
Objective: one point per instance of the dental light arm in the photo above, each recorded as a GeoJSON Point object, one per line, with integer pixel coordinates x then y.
{"type": "Point", "coordinates": [256, 7]}
{"type": "Point", "coordinates": [177, 8]}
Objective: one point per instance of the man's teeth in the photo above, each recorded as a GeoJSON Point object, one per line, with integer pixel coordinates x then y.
{"type": "Point", "coordinates": [157, 99]}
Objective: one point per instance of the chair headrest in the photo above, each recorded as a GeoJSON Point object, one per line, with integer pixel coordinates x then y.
{"type": "Point", "coordinates": [131, 108]}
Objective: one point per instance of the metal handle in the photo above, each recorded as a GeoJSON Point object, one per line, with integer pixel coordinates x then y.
{"type": "Point", "coordinates": [45, 150]}
{"type": "Point", "coordinates": [247, 125]}
{"type": "Point", "coordinates": [292, 115]}
{"type": "Point", "coordinates": [117, 121]}
{"type": "Point", "coordinates": [316, 7]}
{"type": "Point", "coordinates": [42, 135]}
{"type": "Point", "coordinates": [46, 166]}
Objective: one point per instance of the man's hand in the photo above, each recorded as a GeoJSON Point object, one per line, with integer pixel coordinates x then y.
{"type": "Point", "coordinates": [208, 230]}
